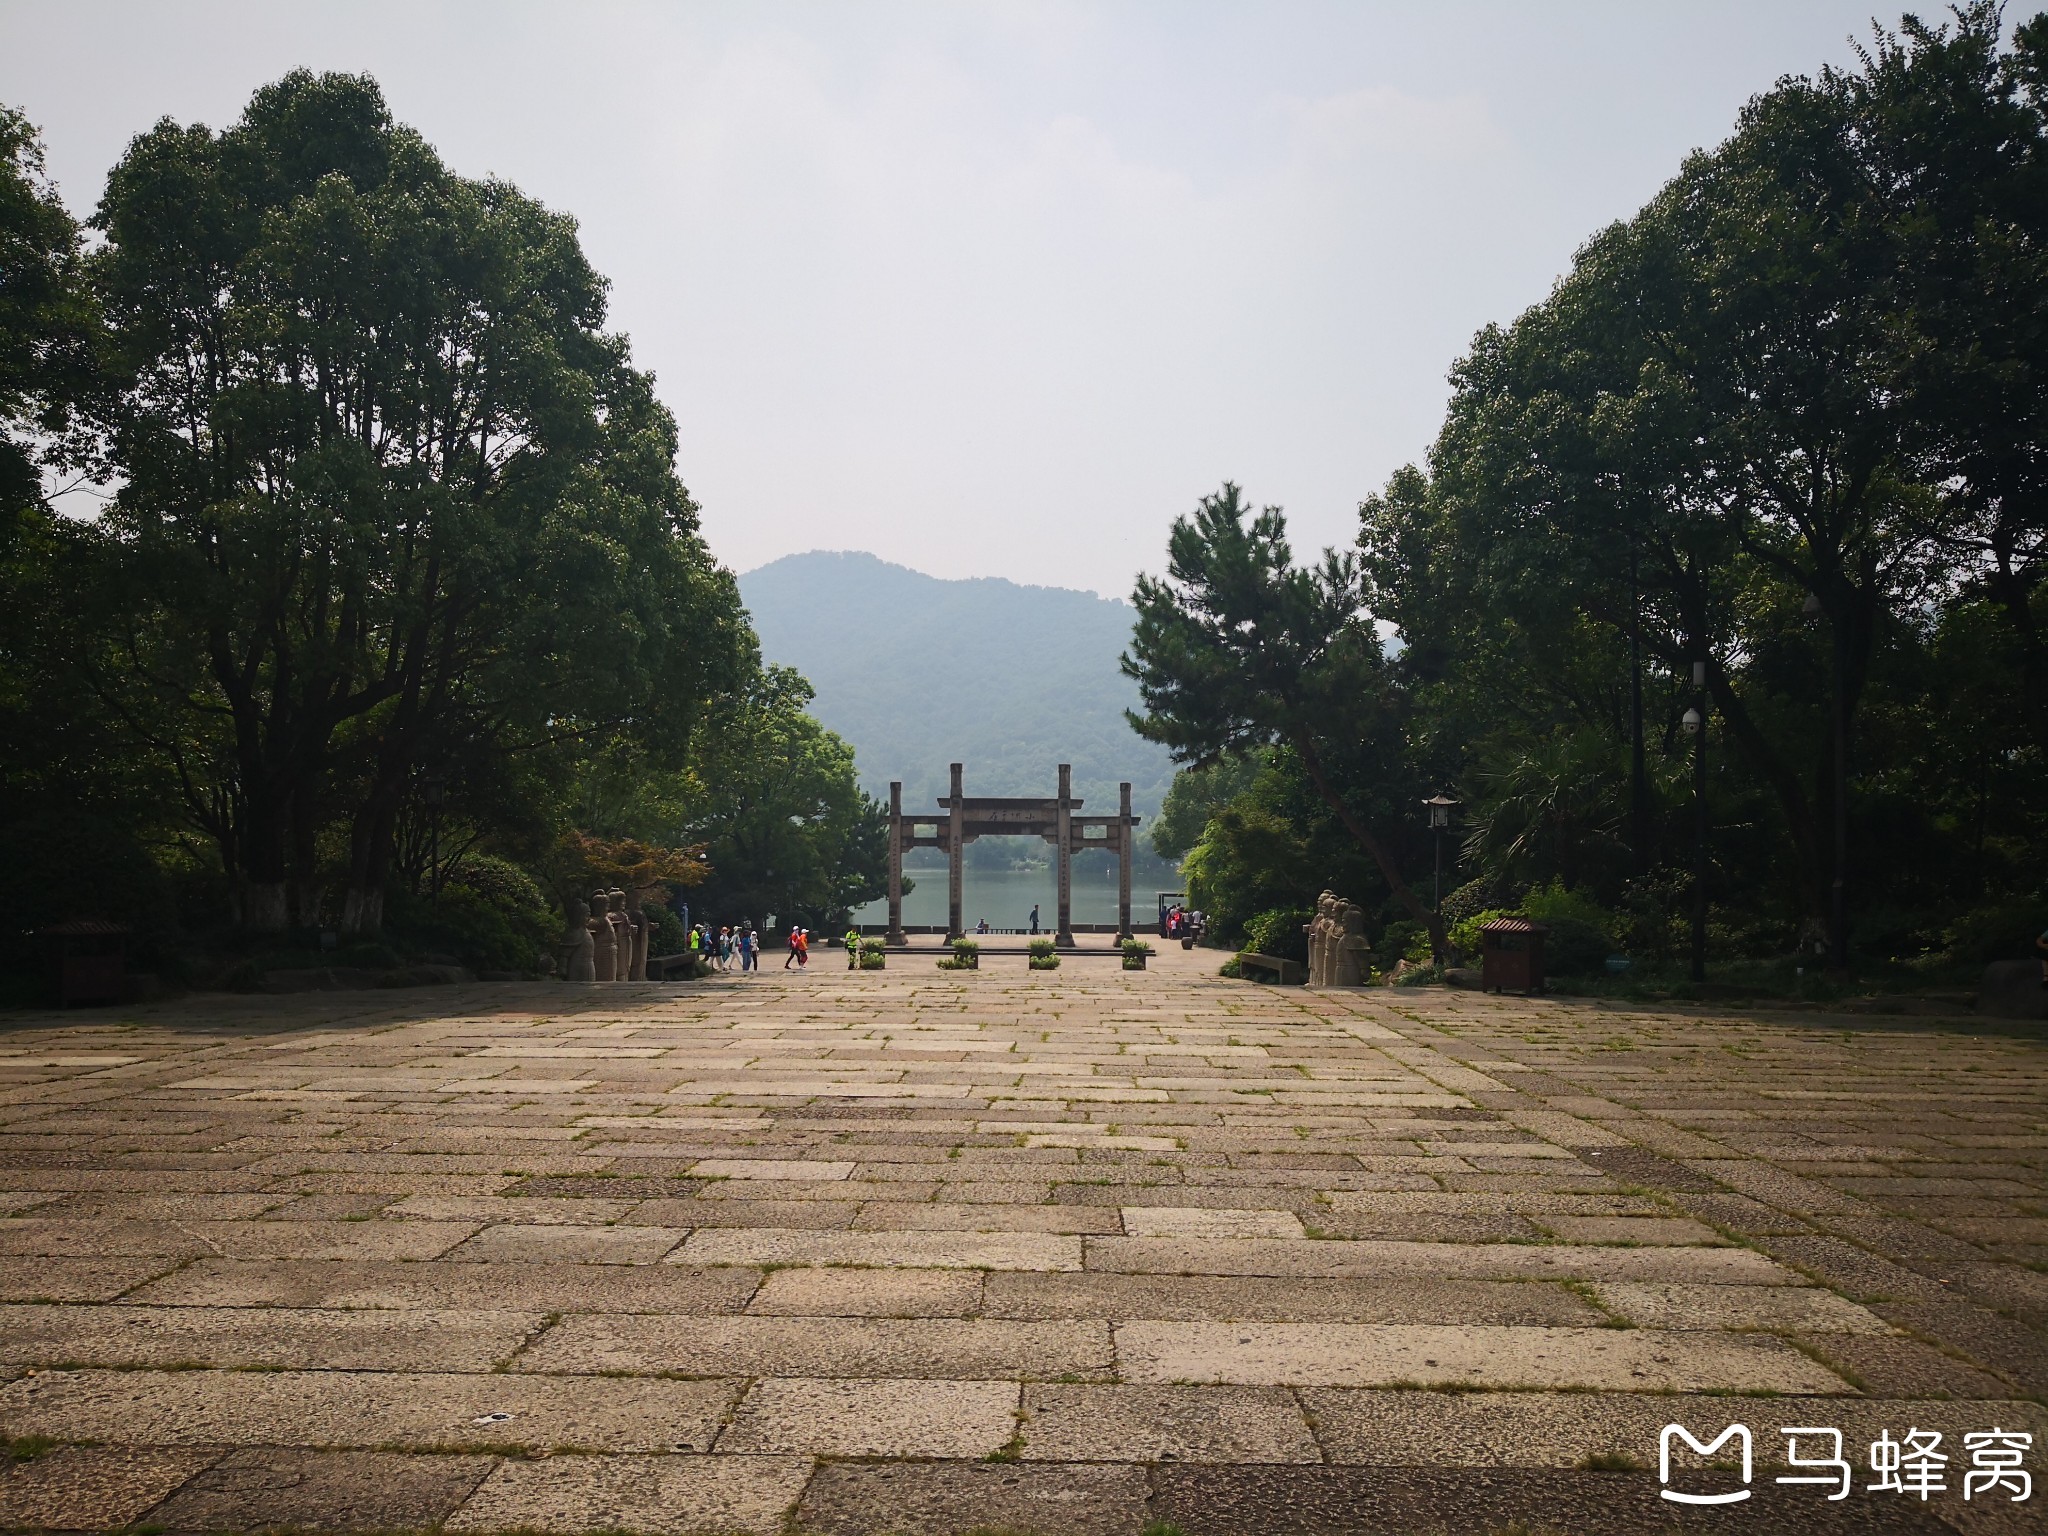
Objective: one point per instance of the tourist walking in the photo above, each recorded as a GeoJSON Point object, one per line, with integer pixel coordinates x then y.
{"type": "Point", "coordinates": [1034, 913]}
{"type": "Point", "coordinates": [750, 948]}
{"type": "Point", "coordinates": [800, 938]}
{"type": "Point", "coordinates": [795, 947]}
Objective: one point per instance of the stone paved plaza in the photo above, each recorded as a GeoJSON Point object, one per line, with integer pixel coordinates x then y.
{"type": "Point", "coordinates": [1075, 1252]}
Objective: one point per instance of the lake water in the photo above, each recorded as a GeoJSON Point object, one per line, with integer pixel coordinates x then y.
{"type": "Point", "coordinates": [1005, 896]}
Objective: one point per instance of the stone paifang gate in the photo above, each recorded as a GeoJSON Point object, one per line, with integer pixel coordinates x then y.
{"type": "Point", "coordinates": [961, 820]}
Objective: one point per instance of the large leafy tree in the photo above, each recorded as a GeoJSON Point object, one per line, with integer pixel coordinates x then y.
{"type": "Point", "coordinates": [780, 810]}
{"type": "Point", "coordinates": [1237, 648]}
{"type": "Point", "coordinates": [46, 332]}
{"type": "Point", "coordinates": [391, 488]}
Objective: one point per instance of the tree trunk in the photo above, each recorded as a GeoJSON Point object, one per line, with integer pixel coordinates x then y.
{"type": "Point", "coordinates": [362, 909]}
{"type": "Point", "coordinates": [266, 905]}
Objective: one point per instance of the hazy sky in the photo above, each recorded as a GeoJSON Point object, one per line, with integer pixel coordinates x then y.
{"type": "Point", "coordinates": [999, 289]}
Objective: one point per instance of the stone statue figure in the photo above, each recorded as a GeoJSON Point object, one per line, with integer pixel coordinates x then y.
{"type": "Point", "coordinates": [1349, 949]}
{"type": "Point", "coordinates": [642, 929]}
{"type": "Point", "coordinates": [603, 938]}
{"type": "Point", "coordinates": [1320, 933]}
{"type": "Point", "coordinates": [622, 936]}
{"type": "Point", "coordinates": [582, 959]}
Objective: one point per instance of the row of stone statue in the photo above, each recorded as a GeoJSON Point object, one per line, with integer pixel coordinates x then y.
{"type": "Point", "coordinates": [607, 939]}
{"type": "Point", "coordinates": [1338, 954]}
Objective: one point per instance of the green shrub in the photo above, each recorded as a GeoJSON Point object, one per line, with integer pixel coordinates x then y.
{"type": "Point", "coordinates": [1575, 947]}
{"type": "Point", "coordinates": [1231, 970]}
{"type": "Point", "coordinates": [2003, 930]}
{"type": "Point", "coordinates": [1470, 899]}
{"type": "Point", "coordinates": [1464, 936]}
{"type": "Point", "coordinates": [1279, 933]}
{"type": "Point", "coordinates": [965, 946]}
{"type": "Point", "coordinates": [665, 932]}
{"type": "Point", "coordinates": [1136, 947]}
{"type": "Point", "coordinates": [461, 923]}
{"type": "Point", "coordinates": [1582, 932]}
{"type": "Point", "coordinates": [1042, 949]}
{"type": "Point", "coordinates": [1045, 962]}
{"type": "Point", "coordinates": [1403, 940]}
{"type": "Point", "coordinates": [500, 882]}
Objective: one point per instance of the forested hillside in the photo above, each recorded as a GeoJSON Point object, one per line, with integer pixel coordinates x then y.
{"type": "Point", "coordinates": [918, 673]}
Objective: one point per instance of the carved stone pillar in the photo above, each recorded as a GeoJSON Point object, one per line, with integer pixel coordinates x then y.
{"type": "Point", "coordinates": [1065, 932]}
{"type": "Point", "coordinates": [1125, 839]}
{"type": "Point", "coordinates": [955, 852]}
{"type": "Point", "coordinates": [895, 935]}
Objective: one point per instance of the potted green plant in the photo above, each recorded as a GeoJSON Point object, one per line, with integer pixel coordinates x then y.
{"type": "Point", "coordinates": [966, 956]}
{"type": "Point", "coordinates": [1044, 955]}
{"type": "Point", "coordinates": [1135, 951]}
{"type": "Point", "coordinates": [874, 953]}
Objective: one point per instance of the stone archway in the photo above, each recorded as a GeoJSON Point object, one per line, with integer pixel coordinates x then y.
{"type": "Point", "coordinates": [960, 821]}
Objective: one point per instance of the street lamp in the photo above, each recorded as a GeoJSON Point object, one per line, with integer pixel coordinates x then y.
{"type": "Point", "coordinates": [1695, 723]}
{"type": "Point", "coordinates": [1440, 808]}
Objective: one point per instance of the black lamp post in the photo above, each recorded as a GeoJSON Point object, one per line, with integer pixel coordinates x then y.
{"type": "Point", "coordinates": [1695, 722]}
{"type": "Point", "coordinates": [1440, 808]}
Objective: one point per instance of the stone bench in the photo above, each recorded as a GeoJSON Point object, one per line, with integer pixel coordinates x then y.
{"type": "Point", "coordinates": [1285, 972]}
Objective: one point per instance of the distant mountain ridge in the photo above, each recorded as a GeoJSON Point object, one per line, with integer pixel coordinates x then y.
{"type": "Point", "coordinates": [918, 672]}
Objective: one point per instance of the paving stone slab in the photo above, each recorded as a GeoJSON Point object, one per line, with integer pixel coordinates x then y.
{"type": "Point", "coordinates": [127, 1336]}
{"type": "Point", "coordinates": [322, 1491]}
{"type": "Point", "coordinates": [941, 1216]}
{"type": "Point", "coordinates": [1673, 1231]}
{"type": "Point", "coordinates": [1358, 1355]}
{"type": "Point", "coordinates": [874, 1418]}
{"type": "Point", "coordinates": [823, 1346]}
{"type": "Point", "coordinates": [495, 1210]}
{"type": "Point", "coordinates": [809, 1215]}
{"type": "Point", "coordinates": [947, 1499]}
{"type": "Point", "coordinates": [76, 1279]}
{"type": "Point", "coordinates": [1897, 1366]}
{"type": "Point", "coordinates": [1374, 1501]}
{"type": "Point", "coordinates": [567, 1244]}
{"type": "Point", "coordinates": [1224, 1298]}
{"type": "Point", "coordinates": [93, 1488]}
{"type": "Point", "coordinates": [441, 1284]}
{"type": "Point", "coordinates": [1152, 1423]}
{"type": "Point", "coordinates": [1200, 1224]}
{"type": "Point", "coordinates": [912, 1250]}
{"type": "Point", "coordinates": [868, 1293]}
{"type": "Point", "coordinates": [699, 1495]}
{"type": "Point", "coordinates": [363, 1409]}
{"type": "Point", "coordinates": [1777, 1308]}
{"type": "Point", "coordinates": [1478, 1261]}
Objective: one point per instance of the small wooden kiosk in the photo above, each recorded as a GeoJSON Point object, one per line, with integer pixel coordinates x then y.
{"type": "Point", "coordinates": [1511, 955]}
